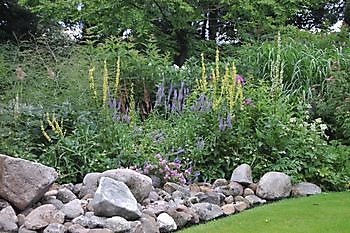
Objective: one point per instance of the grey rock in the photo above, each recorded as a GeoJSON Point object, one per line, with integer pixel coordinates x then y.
{"type": "Point", "coordinates": [23, 182]}
{"type": "Point", "coordinates": [153, 196]}
{"type": "Point", "coordinates": [118, 224]}
{"type": "Point", "coordinates": [210, 197]}
{"type": "Point", "coordinates": [233, 189]}
{"type": "Point", "coordinates": [274, 185]}
{"type": "Point", "coordinates": [65, 195]}
{"type": "Point", "coordinates": [113, 198]}
{"type": "Point", "coordinates": [240, 206]}
{"type": "Point", "coordinates": [242, 174]}
{"type": "Point", "coordinates": [52, 200]}
{"type": "Point", "coordinates": [166, 223]}
{"type": "Point", "coordinates": [139, 185]}
{"type": "Point", "coordinates": [73, 209]}
{"type": "Point", "coordinates": [22, 229]}
{"type": "Point", "coordinates": [149, 224]}
{"type": "Point", "coordinates": [305, 189]}
{"type": "Point", "coordinates": [183, 215]}
{"type": "Point", "coordinates": [253, 200]}
{"type": "Point", "coordinates": [43, 216]}
{"type": "Point", "coordinates": [158, 207]}
{"type": "Point", "coordinates": [207, 211]}
{"type": "Point", "coordinates": [171, 187]}
{"type": "Point", "coordinates": [8, 220]}
{"type": "Point", "coordinates": [55, 228]}
{"type": "Point", "coordinates": [89, 220]}
{"type": "Point", "coordinates": [90, 183]}
{"type": "Point", "coordinates": [219, 182]}
{"type": "Point", "coordinates": [103, 230]}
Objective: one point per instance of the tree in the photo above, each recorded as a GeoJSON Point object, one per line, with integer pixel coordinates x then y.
{"type": "Point", "coordinates": [15, 21]}
{"type": "Point", "coordinates": [178, 24]}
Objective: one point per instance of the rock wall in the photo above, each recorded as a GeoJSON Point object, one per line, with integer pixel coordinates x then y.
{"type": "Point", "coordinates": [124, 201]}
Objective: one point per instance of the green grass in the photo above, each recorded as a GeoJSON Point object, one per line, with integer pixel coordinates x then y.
{"type": "Point", "coordinates": [325, 213]}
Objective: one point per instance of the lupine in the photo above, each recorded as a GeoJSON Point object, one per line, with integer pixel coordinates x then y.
{"type": "Point", "coordinates": [117, 79]}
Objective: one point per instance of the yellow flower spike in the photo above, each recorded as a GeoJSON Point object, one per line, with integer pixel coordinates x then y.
{"type": "Point", "coordinates": [51, 124]}
{"type": "Point", "coordinates": [225, 83]}
{"type": "Point", "coordinates": [204, 83]}
{"type": "Point", "coordinates": [105, 84]}
{"type": "Point", "coordinates": [92, 83]}
{"type": "Point", "coordinates": [217, 61]}
{"type": "Point", "coordinates": [44, 132]}
{"type": "Point", "coordinates": [117, 79]}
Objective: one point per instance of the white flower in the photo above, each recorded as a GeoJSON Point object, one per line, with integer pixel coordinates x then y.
{"type": "Point", "coordinates": [318, 120]}
{"type": "Point", "coordinates": [292, 120]}
{"type": "Point", "coordinates": [323, 127]}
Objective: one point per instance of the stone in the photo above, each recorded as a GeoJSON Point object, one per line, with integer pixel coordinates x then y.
{"type": "Point", "coordinates": [228, 209]}
{"type": "Point", "coordinates": [166, 223]}
{"type": "Point", "coordinates": [219, 182]}
{"type": "Point", "coordinates": [253, 200]}
{"type": "Point", "coordinates": [253, 187]}
{"type": "Point", "coordinates": [149, 224]}
{"type": "Point", "coordinates": [153, 196]}
{"type": "Point", "coordinates": [23, 182]}
{"type": "Point", "coordinates": [54, 228]}
{"type": "Point", "coordinates": [73, 209]}
{"type": "Point", "coordinates": [77, 228]}
{"type": "Point", "coordinates": [210, 197]}
{"type": "Point", "coordinates": [65, 195]}
{"type": "Point", "coordinates": [113, 198]}
{"type": "Point", "coordinates": [117, 224]}
{"type": "Point", "coordinates": [43, 216]}
{"type": "Point", "coordinates": [103, 230]}
{"type": "Point", "coordinates": [242, 174]}
{"type": "Point", "coordinates": [89, 185]}
{"type": "Point", "coordinates": [274, 185]}
{"type": "Point", "coordinates": [8, 220]}
{"type": "Point", "coordinates": [164, 195]}
{"type": "Point", "coordinates": [22, 229]}
{"type": "Point", "coordinates": [233, 189]}
{"type": "Point", "coordinates": [240, 206]}
{"type": "Point", "coordinates": [183, 215]}
{"type": "Point", "coordinates": [305, 189]}
{"type": "Point", "coordinates": [21, 219]}
{"type": "Point", "coordinates": [89, 220]}
{"type": "Point", "coordinates": [248, 191]}
{"type": "Point", "coordinates": [158, 207]}
{"type": "Point", "coordinates": [52, 200]}
{"type": "Point", "coordinates": [139, 185]}
{"type": "Point", "coordinates": [207, 211]}
{"type": "Point", "coordinates": [229, 199]}
{"type": "Point", "coordinates": [171, 187]}
{"type": "Point", "coordinates": [241, 199]}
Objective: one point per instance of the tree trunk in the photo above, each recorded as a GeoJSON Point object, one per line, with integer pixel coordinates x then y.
{"type": "Point", "coordinates": [182, 42]}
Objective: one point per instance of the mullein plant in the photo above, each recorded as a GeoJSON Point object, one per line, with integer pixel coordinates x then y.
{"type": "Point", "coordinates": [277, 71]}
{"type": "Point", "coordinates": [56, 127]}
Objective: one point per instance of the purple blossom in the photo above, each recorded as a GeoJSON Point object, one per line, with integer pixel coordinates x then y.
{"type": "Point", "coordinates": [240, 79]}
{"type": "Point", "coordinates": [177, 160]}
{"type": "Point", "coordinates": [158, 156]}
{"type": "Point", "coordinates": [229, 123]}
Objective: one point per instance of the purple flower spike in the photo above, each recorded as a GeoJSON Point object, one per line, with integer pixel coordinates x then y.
{"type": "Point", "coordinates": [158, 156]}
{"type": "Point", "coordinates": [222, 126]}
{"type": "Point", "coordinates": [240, 79]}
{"type": "Point", "coordinates": [177, 160]}
{"type": "Point", "coordinates": [229, 123]}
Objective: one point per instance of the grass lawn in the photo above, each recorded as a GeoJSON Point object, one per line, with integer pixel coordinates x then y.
{"type": "Point", "coordinates": [325, 213]}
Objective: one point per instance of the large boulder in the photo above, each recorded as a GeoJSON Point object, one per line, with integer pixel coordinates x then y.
{"type": "Point", "coordinates": [23, 182]}
{"type": "Point", "coordinates": [139, 185]}
{"type": "Point", "coordinates": [166, 223]}
{"type": "Point", "coordinates": [113, 198]}
{"type": "Point", "coordinates": [274, 185]}
{"type": "Point", "coordinates": [305, 189]}
{"type": "Point", "coordinates": [242, 174]}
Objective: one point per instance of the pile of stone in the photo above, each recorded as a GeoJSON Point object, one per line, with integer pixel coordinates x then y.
{"type": "Point", "coordinates": [123, 200]}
